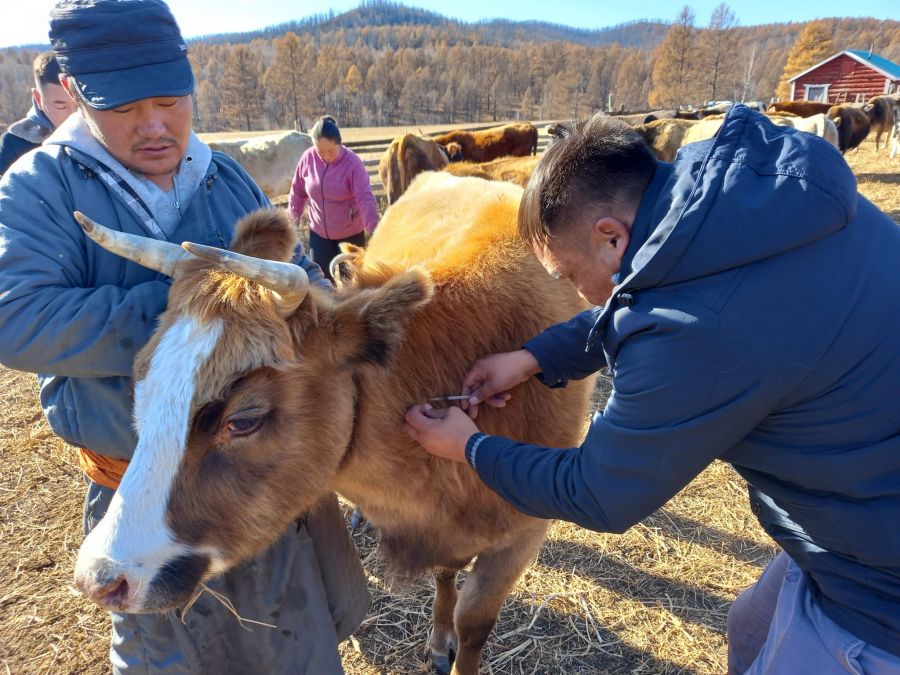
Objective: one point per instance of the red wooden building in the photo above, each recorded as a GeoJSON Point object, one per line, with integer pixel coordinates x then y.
{"type": "Point", "coordinates": [848, 76]}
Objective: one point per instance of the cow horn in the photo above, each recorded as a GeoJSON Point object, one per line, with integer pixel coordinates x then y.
{"type": "Point", "coordinates": [334, 267]}
{"type": "Point", "coordinates": [288, 280]}
{"type": "Point", "coordinates": [155, 254]}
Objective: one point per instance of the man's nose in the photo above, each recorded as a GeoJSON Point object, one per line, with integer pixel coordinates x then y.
{"type": "Point", "coordinates": [152, 126]}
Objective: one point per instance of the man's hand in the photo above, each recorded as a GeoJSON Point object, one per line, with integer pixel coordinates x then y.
{"type": "Point", "coordinates": [442, 432]}
{"type": "Point", "coordinates": [491, 378]}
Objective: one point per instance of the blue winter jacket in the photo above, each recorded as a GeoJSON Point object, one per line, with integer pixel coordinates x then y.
{"type": "Point", "coordinates": [79, 314]}
{"type": "Point", "coordinates": [26, 134]}
{"type": "Point", "coordinates": [756, 320]}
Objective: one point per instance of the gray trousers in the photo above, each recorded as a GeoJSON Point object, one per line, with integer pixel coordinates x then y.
{"type": "Point", "coordinates": [775, 627]}
{"type": "Point", "coordinates": [283, 586]}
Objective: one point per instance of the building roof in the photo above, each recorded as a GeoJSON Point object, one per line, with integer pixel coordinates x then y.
{"type": "Point", "coordinates": [884, 66]}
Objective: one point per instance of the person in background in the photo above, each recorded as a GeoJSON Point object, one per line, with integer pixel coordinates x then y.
{"type": "Point", "coordinates": [332, 184]}
{"type": "Point", "coordinates": [78, 315]}
{"type": "Point", "coordinates": [741, 297]}
{"type": "Point", "coordinates": [50, 106]}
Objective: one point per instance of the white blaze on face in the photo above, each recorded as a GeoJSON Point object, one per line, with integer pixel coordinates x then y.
{"type": "Point", "coordinates": [133, 538]}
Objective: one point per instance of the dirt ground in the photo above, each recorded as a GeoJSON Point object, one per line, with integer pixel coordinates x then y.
{"type": "Point", "coordinates": [651, 601]}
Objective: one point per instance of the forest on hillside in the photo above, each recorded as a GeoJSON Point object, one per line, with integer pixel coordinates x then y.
{"type": "Point", "coordinates": [387, 64]}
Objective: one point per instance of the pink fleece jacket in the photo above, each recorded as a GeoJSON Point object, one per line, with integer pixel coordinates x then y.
{"type": "Point", "coordinates": [338, 197]}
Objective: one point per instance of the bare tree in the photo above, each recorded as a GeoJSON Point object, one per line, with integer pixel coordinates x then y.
{"type": "Point", "coordinates": [282, 79]}
{"type": "Point", "coordinates": [675, 63]}
{"type": "Point", "coordinates": [718, 49]}
{"type": "Point", "coordinates": [241, 91]}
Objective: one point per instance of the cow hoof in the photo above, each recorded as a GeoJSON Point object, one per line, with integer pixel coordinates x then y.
{"type": "Point", "coordinates": [442, 664]}
{"type": "Point", "coordinates": [357, 519]}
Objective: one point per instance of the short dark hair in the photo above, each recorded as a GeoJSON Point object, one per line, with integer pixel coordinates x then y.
{"type": "Point", "coordinates": [326, 127]}
{"type": "Point", "coordinates": [46, 68]}
{"type": "Point", "coordinates": [599, 162]}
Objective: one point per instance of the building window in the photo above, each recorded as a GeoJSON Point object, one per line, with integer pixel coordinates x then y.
{"type": "Point", "coordinates": [817, 92]}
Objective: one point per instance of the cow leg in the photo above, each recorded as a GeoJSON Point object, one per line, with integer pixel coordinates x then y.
{"type": "Point", "coordinates": [443, 636]}
{"type": "Point", "coordinates": [492, 577]}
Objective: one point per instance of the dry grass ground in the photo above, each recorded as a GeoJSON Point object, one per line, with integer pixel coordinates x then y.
{"type": "Point", "coordinates": [651, 601]}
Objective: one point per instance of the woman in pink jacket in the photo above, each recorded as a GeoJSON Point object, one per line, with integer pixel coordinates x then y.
{"type": "Point", "coordinates": [332, 184]}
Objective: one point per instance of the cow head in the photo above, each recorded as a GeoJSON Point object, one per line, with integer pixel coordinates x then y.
{"type": "Point", "coordinates": [244, 407]}
{"type": "Point", "coordinates": [454, 152]}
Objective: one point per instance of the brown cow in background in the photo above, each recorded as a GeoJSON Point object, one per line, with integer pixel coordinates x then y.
{"type": "Point", "coordinates": [880, 111]}
{"type": "Point", "coordinates": [852, 123]}
{"type": "Point", "coordinates": [801, 108]}
{"type": "Point", "coordinates": [510, 140]}
{"type": "Point", "coordinates": [407, 157]}
{"type": "Point", "coordinates": [507, 169]}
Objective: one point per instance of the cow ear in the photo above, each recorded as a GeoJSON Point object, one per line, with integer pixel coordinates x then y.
{"type": "Point", "coordinates": [368, 326]}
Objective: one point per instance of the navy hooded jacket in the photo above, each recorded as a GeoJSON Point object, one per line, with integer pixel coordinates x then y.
{"type": "Point", "coordinates": [26, 134]}
{"type": "Point", "coordinates": [756, 320]}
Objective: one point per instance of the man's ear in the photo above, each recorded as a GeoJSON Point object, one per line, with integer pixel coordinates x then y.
{"type": "Point", "coordinates": [611, 235]}
{"type": "Point", "coordinates": [36, 95]}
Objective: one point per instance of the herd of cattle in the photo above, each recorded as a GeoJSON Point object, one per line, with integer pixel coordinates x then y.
{"type": "Point", "coordinates": [509, 152]}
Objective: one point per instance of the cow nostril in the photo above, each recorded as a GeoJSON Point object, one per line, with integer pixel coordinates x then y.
{"type": "Point", "coordinates": [110, 592]}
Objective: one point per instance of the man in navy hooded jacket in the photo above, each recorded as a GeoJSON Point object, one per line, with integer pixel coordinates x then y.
{"type": "Point", "coordinates": [51, 106]}
{"type": "Point", "coordinates": [748, 311]}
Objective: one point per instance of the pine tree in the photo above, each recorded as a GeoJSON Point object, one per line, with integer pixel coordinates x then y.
{"type": "Point", "coordinates": [675, 72]}
{"type": "Point", "coordinates": [242, 94]}
{"type": "Point", "coordinates": [812, 45]}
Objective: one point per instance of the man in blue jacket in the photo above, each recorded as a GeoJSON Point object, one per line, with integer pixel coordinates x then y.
{"type": "Point", "coordinates": [78, 315]}
{"type": "Point", "coordinates": [50, 107]}
{"type": "Point", "coordinates": [747, 313]}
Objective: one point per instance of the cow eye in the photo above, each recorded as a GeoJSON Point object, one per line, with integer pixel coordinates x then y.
{"type": "Point", "coordinates": [244, 426]}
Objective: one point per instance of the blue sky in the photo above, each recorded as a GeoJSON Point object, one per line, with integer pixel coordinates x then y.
{"type": "Point", "coordinates": [25, 21]}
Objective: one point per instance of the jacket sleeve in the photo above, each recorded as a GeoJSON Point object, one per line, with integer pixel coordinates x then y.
{"type": "Point", "coordinates": [51, 321]}
{"type": "Point", "coordinates": [560, 350]}
{"type": "Point", "coordinates": [298, 197]}
{"type": "Point", "coordinates": [362, 193]}
{"type": "Point", "coordinates": [676, 406]}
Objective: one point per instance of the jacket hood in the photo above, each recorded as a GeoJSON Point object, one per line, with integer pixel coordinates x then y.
{"type": "Point", "coordinates": [35, 127]}
{"type": "Point", "coordinates": [712, 209]}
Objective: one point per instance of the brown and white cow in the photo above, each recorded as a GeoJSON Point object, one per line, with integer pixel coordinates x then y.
{"type": "Point", "coordinates": [259, 394]}
{"type": "Point", "coordinates": [407, 157]}
{"type": "Point", "coordinates": [509, 140]}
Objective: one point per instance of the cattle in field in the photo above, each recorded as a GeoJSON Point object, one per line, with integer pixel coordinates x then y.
{"type": "Point", "coordinates": [259, 394]}
{"type": "Point", "coordinates": [673, 114]}
{"type": "Point", "coordinates": [509, 169]}
{"type": "Point", "coordinates": [801, 108]}
{"type": "Point", "coordinates": [852, 124]}
{"type": "Point", "coordinates": [407, 157]}
{"type": "Point", "coordinates": [880, 111]}
{"type": "Point", "coordinates": [509, 140]}
{"type": "Point", "coordinates": [665, 136]}
{"type": "Point", "coordinates": [270, 160]}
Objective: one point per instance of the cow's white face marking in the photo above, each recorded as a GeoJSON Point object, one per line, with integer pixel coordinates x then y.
{"type": "Point", "coordinates": [133, 538]}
